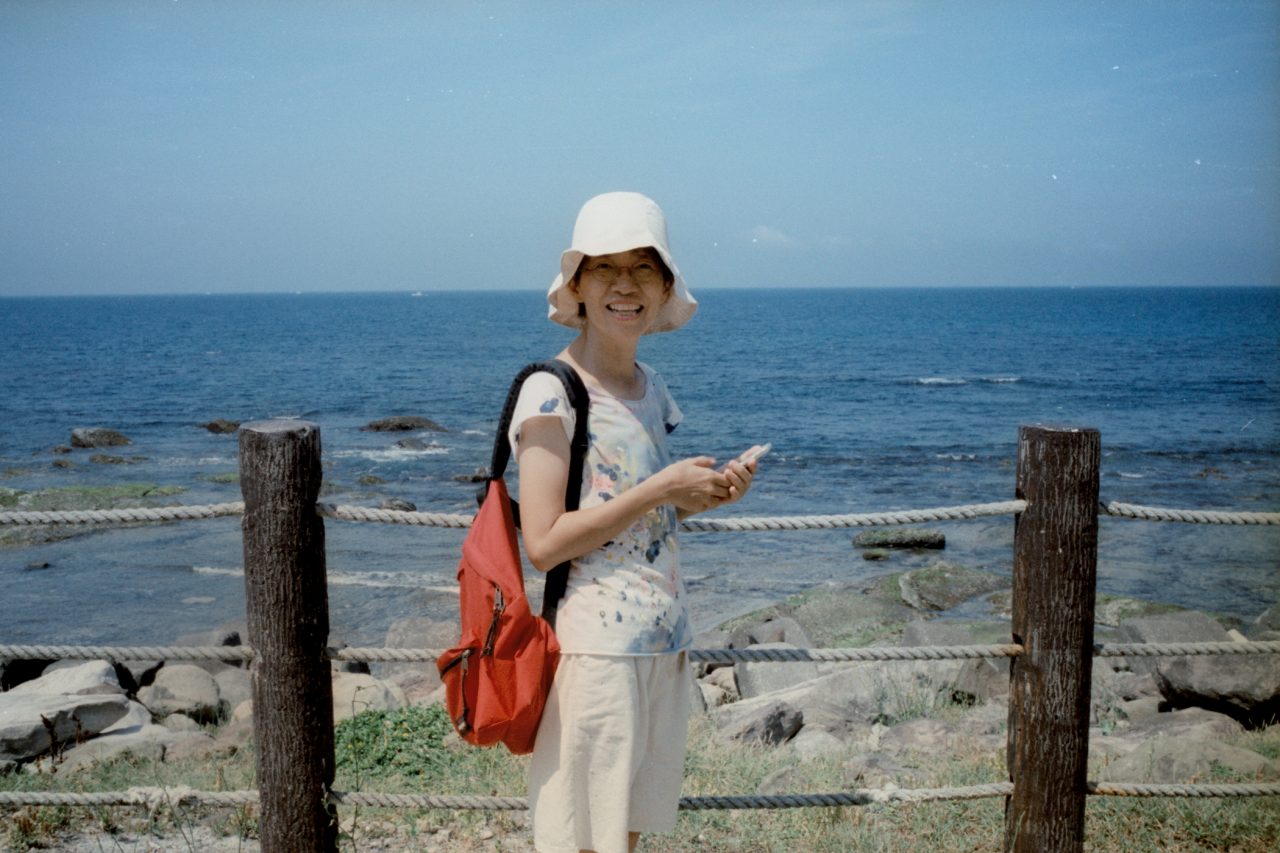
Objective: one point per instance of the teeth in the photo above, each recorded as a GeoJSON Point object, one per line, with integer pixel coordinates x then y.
{"type": "Point", "coordinates": [625, 308]}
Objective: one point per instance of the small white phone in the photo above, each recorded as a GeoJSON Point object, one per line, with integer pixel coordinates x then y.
{"type": "Point", "coordinates": [754, 453]}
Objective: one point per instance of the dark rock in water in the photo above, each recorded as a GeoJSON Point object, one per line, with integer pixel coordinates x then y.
{"type": "Point", "coordinates": [221, 426]}
{"type": "Point", "coordinates": [477, 476]}
{"type": "Point", "coordinates": [900, 538]}
{"type": "Point", "coordinates": [97, 437]}
{"type": "Point", "coordinates": [107, 459]}
{"type": "Point", "coordinates": [38, 564]}
{"type": "Point", "coordinates": [398, 505]}
{"type": "Point", "coordinates": [412, 444]}
{"type": "Point", "coordinates": [371, 480]}
{"type": "Point", "coordinates": [403, 423]}
{"type": "Point", "coordinates": [61, 449]}
{"type": "Point", "coordinates": [63, 463]}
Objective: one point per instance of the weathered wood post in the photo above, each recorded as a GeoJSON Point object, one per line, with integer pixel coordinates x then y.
{"type": "Point", "coordinates": [288, 616]}
{"type": "Point", "coordinates": [1055, 567]}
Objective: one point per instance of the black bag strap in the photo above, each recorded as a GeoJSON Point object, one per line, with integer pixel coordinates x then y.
{"type": "Point", "coordinates": [558, 578]}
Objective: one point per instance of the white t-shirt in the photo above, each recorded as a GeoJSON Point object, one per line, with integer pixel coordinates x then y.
{"type": "Point", "coordinates": [628, 597]}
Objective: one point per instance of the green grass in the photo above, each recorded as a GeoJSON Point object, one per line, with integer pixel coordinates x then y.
{"type": "Point", "coordinates": [410, 751]}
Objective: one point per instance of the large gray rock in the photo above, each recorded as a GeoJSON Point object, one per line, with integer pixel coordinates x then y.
{"type": "Point", "coordinates": [81, 678]}
{"type": "Point", "coordinates": [183, 689]}
{"type": "Point", "coordinates": [755, 678]}
{"type": "Point", "coordinates": [1185, 626]}
{"type": "Point", "coordinates": [149, 742]}
{"type": "Point", "coordinates": [769, 724]}
{"type": "Point", "coordinates": [87, 437]}
{"type": "Point", "coordinates": [25, 734]}
{"type": "Point", "coordinates": [354, 692]}
{"type": "Point", "coordinates": [1267, 625]}
{"type": "Point", "coordinates": [943, 585]}
{"type": "Point", "coordinates": [843, 703]}
{"type": "Point", "coordinates": [773, 629]}
{"type": "Point", "coordinates": [1245, 687]}
{"type": "Point", "coordinates": [1169, 761]}
{"type": "Point", "coordinates": [1185, 726]}
{"type": "Point", "coordinates": [234, 686]}
{"type": "Point", "coordinates": [418, 680]}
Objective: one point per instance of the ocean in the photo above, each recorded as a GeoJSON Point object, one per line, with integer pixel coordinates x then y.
{"type": "Point", "coordinates": [873, 399]}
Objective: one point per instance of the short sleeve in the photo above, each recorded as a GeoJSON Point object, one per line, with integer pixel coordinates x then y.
{"type": "Point", "coordinates": [671, 414]}
{"type": "Point", "coordinates": [542, 395]}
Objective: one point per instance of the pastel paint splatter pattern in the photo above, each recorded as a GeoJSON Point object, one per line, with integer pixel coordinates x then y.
{"type": "Point", "coordinates": [627, 597]}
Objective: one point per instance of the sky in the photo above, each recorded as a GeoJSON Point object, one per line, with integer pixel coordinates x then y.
{"type": "Point", "coordinates": [180, 146]}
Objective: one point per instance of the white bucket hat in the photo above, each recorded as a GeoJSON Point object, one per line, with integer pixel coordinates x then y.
{"type": "Point", "coordinates": [619, 222]}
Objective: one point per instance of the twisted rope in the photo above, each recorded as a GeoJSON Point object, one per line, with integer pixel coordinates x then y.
{"type": "Point", "coordinates": [870, 519]}
{"type": "Point", "coordinates": [427, 801]}
{"type": "Point", "coordinates": [155, 797]}
{"type": "Point", "coordinates": [695, 525]}
{"type": "Point", "coordinates": [877, 653]}
{"type": "Point", "coordinates": [117, 516]}
{"type": "Point", "coordinates": [1190, 516]}
{"type": "Point", "coordinates": [393, 516]}
{"type": "Point", "coordinates": [122, 653]}
{"type": "Point", "coordinates": [721, 656]}
{"type": "Point", "coordinates": [1147, 650]}
{"type": "Point", "coordinates": [858, 797]}
{"type": "Point", "coordinates": [1127, 789]}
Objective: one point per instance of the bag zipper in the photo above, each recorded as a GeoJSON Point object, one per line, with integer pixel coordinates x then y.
{"type": "Point", "coordinates": [498, 607]}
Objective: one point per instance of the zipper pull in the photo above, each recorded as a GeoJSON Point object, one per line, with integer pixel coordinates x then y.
{"type": "Point", "coordinates": [498, 607]}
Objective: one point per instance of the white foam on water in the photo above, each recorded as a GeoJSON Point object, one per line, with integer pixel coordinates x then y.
{"type": "Point", "coordinates": [383, 580]}
{"type": "Point", "coordinates": [229, 572]}
{"type": "Point", "coordinates": [393, 454]}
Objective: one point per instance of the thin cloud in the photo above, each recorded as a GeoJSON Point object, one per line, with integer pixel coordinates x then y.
{"type": "Point", "coordinates": [768, 236]}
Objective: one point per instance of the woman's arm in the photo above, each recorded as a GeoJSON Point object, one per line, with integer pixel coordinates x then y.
{"type": "Point", "coordinates": [552, 535]}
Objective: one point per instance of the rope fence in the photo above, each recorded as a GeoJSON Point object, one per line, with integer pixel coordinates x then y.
{"type": "Point", "coordinates": [341, 512]}
{"type": "Point", "coordinates": [155, 797]}
{"type": "Point", "coordinates": [719, 656]}
{"type": "Point", "coordinates": [1059, 479]}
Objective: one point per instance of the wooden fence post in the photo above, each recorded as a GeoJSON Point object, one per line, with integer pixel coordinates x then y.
{"type": "Point", "coordinates": [1055, 567]}
{"type": "Point", "coordinates": [288, 616]}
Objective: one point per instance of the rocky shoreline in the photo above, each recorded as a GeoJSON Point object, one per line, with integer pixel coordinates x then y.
{"type": "Point", "coordinates": [1162, 719]}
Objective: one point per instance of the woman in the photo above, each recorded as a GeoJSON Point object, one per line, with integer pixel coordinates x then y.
{"type": "Point", "coordinates": [609, 754]}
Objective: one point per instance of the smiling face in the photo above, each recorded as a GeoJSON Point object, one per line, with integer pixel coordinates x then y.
{"type": "Point", "coordinates": [623, 292]}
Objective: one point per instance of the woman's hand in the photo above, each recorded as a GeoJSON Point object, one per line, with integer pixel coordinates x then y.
{"type": "Point", "coordinates": [694, 485]}
{"type": "Point", "coordinates": [739, 476]}
{"type": "Point", "coordinates": [697, 486]}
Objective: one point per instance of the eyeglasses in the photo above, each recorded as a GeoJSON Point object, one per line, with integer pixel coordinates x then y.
{"type": "Point", "coordinates": [643, 273]}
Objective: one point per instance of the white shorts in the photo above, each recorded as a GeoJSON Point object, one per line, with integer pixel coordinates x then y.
{"type": "Point", "coordinates": [609, 756]}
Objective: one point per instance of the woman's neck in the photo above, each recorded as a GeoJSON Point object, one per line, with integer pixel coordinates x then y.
{"type": "Point", "coordinates": [610, 363]}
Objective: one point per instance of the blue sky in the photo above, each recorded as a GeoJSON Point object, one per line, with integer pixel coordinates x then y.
{"type": "Point", "coordinates": [152, 147]}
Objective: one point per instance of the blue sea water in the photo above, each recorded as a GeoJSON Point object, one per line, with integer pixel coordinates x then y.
{"type": "Point", "coordinates": [873, 400]}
